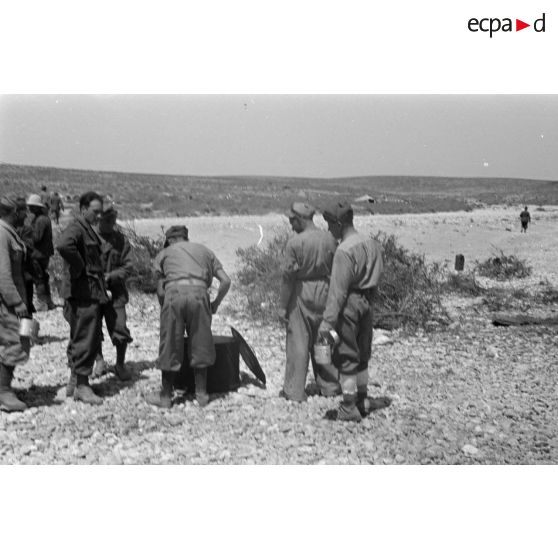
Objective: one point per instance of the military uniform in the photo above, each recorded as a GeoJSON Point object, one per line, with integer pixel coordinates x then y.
{"type": "Point", "coordinates": [308, 261]}
{"type": "Point", "coordinates": [357, 268]}
{"type": "Point", "coordinates": [56, 205]}
{"type": "Point", "coordinates": [43, 249]}
{"type": "Point", "coordinates": [356, 272]}
{"type": "Point", "coordinates": [187, 270]}
{"type": "Point", "coordinates": [84, 291]}
{"type": "Point", "coordinates": [14, 350]}
{"type": "Point", "coordinates": [118, 266]}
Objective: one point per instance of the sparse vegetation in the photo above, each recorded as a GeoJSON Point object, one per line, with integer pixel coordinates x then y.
{"type": "Point", "coordinates": [503, 267]}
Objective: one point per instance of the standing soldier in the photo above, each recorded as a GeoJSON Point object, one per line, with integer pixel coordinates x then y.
{"type": "Point", "coordinates": [185, 272]}
{"type": "Point", "coordinates": [56, 206]}
{"type": "Point", "coordinates": [525, 217]}
{"type": "Point", "coordinates": [84, 291]}
{"type": "Point", "coordinates": [14, 350]}
{"type": "Point", "coordinates": [303, 295]}
{"type": "Point", "coordinates": [43, 249]}
{"type": "Point", "coordinates": [44, 196]}
{"type": "Point", "coordinates": [357, 269]}
{"type": "Point", "coordinates": [118, 266]}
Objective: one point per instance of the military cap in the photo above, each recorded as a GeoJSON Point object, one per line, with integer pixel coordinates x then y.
{"type": "Point", "coordinates": [301, 209]}
{"type": "Point", "coordinates": [338, 212]}
{"type": "Point", "coordinates": [176, 231]}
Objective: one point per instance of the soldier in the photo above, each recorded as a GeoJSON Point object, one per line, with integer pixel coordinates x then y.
{"type": "Point", "coordinates": [56, 206]}
{"type": "Point", "coordinates": [118, 266]}
{"type": "Point", "coordinates": [357, 269]}
{"type": "Point", "coordinates": [14, 350]}
{"type": "Point", "coordinates": [525, 218]}
{"type": "Point", "coordinates": [84, 291]}
{"type": "Point", "coordinates": [44, 196]}
{"type": "Point", "coordinates": [185, 272]}
{"type": "Point", "coordinates": [303, 295]}
{"type": "Point", "coordinates": [43, 249]}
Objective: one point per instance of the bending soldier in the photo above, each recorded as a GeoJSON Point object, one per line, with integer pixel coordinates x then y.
{"type": "Point", "coordinates": [185, 272]}
{"type": "Point", "coordinates": [304, 288]}
{"type": "Point", "coordinates": [84, 291]}
{"type": "Point", "coordinates": [118, 266]}
{"type": "Point", "coordinates": [357, 269]}
{"type": "Point", "coordinates": [14, 350]}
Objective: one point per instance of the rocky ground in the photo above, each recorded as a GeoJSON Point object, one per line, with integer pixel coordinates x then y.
{"type": "Point", "coordinates": [471, 393]}
{"type": "Point", "coordinates": [466, 393]}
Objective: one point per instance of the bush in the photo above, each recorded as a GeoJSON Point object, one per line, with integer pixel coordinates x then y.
{"type": "Point", "coordinates": [408, 295]}
{"type": "Point", "coordinates": [462, 283]}
{"type": "Point", "coordinates": [503, 267]}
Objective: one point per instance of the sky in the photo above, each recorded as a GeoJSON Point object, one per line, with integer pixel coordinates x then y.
{"type": "Point", "coordinates": [320, 136]}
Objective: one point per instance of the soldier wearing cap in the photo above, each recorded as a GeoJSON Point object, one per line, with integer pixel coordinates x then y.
{"type": "Point", "coordinates": [357, 269]}
{"type": "Point", "coordinates": [118, 266]}
{"type": "Point", "coordinates": [303, 295]}
{"type": "Point", "coordinates": [14, 350]}
{"type": "Point", "coordinates": [43, 249]}
{"type": "Point", "coordinates": [84, 291]}
{"type": "Point", "coordinates": [185, 271]}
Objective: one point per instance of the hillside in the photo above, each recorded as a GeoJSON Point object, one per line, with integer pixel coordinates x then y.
{"type": "Point", "coordinates": [145, 195]}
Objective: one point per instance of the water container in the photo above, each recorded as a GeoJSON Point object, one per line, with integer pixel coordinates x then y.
{"type": "Point", "coordinates": [322, 352]}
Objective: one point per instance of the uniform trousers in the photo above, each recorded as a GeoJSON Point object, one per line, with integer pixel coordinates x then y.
{"type": "Point", "coordinates": [185, 309]}
{"type": "Point", "coordinates": [14, 350]}
{"type": "Point", "coordinates": [86, 334]}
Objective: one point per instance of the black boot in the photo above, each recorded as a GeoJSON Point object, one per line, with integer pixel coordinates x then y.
{"type": "Point", "coordinates": [346, 411]}
{"type": "Point", "coordinates": [363, 404]}
{"type": "Point", "coordinates": [120, 367]}
{"type": "Point", "coordinates": [84, 393]}
{"type": "Point", "coordinates": [200, 378]}
{"type": "Point", "coordinates": [8, 399]}
{"type": "Point", "coordinates": [163, 398]}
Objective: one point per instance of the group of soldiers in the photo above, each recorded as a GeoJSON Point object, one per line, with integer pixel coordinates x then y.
{"type": "Point", "coordinates": [328, 282]}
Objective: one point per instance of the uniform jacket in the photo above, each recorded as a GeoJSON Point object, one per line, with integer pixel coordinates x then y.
{"type": "Point", "coordinates": [42, 236]}
{"type": "Point", "coordinates": [81, 248]}
{"type": "Point", "coordinates": [12, 256]}
{"type": "Point", "coordinates": [118, 264]}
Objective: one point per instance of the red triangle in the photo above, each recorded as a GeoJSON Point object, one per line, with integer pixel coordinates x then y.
{"type": "Point", "coordinates": [519, 25]}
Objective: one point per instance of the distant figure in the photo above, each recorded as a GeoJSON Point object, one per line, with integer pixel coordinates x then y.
{"type": "Point", "coordinates": [45, 199]}
{"type": "Point", "coordinates": [525, 217]}
{"type": "Point", "coordinates": [56, 206]}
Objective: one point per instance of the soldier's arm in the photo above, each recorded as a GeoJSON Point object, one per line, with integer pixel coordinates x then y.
{"type": "Point", "coordinates": [126, 267]}
{"type": "Point", "coordinates": [8, 290]}
{"type": "Point", "coordinates": [67, 246]}
{"type": "Point", "coordinates": [288, 275]}
{"type": "Point", "coordinates": [341, 277]}
{"type": "Point", "coordinates": [224, 286]}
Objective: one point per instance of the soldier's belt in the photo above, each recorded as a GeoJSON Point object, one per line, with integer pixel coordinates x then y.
{"type": "Point", "coordinates": [186, 282]}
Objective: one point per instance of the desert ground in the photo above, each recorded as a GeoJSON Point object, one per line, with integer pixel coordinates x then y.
{"type": "Point", "coordinates": [468, 393]}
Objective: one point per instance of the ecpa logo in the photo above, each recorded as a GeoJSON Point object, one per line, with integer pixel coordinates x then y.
{"type": "Point", "coordinates": [492, 25]}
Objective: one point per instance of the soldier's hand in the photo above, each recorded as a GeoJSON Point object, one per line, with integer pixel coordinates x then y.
{"type": "Point", "coordinates": [214, 307]}
{"type": "Point", "coordinates": [21, 310]}
{"type": "Point", "coordinates": [324, 329]}
{"type": "Point", "coordinates": [282, 313]}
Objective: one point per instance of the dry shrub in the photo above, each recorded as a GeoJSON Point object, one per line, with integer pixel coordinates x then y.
{"type": "Point", "coordinates": [462, 283]}
{"type": "Point", "coordinates": [503, 267]}
{"type": "Point", "coordinates": [409, 294]}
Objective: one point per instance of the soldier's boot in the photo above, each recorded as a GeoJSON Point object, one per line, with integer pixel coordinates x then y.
{"type": "Point", "coordinates": [84, 392]}
{"type": "Point", "coordinates": [100, 366]}
{"type": "Point", "coordinates": [163, 398]}
{"type": "Point", "coordinates": [120, 367]}
{"type": "Point", "coordinates": [347, 410]}
{"type": "Point", "coordinates": [363, 403]}
{"type": "Point", "coordinates": [200, 378]}
{"type": "Point", "coordinates": [71, 385]}
{"type": "Point", "coordinates": [8, 399]}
